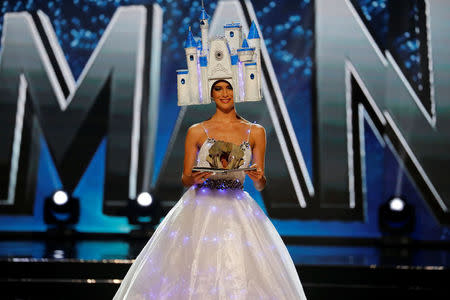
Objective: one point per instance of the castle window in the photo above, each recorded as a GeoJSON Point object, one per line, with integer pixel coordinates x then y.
{"type": "Point", "coordinates": [219, 55]}
{"type": "Point", "coordinates": [252, 76]}
{"type": "Point", "coordinates": [231, 33]}
{"type": "Point", "coordinates": [182, 81]}
{"type": "Point", "coordinates": [191, 57]}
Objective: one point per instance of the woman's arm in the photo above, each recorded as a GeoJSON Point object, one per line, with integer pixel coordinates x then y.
{"type": "Point", "coordinates": [190, 152]}
{"type": "Point", "coordinates": [258, 134]}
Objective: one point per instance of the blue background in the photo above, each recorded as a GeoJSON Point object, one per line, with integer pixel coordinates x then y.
{"type": "Point", "coordinates": [288, 31]}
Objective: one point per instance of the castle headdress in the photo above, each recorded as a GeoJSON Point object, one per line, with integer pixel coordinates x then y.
{"type": "Point", "coordinates": [230, 57]}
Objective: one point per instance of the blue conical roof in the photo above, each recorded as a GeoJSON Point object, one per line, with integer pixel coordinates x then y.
{"type": "Point", "coordinates": [190, 41]}
{"type": "Point", "coordinates": [253, 33]}
{"type": "Point", "coordinates": [203, 14]}
{"type": "Point", "coordinates": [245, 44]}
{"type": "Point", "coordinates": [245, 47]}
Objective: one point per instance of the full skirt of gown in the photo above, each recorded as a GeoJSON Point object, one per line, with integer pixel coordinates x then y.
{"type": "Point", "coordinates": [213, 244]}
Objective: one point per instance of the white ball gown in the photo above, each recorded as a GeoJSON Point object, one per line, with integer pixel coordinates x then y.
{"type": "Point", "coordinates": [215, 243]}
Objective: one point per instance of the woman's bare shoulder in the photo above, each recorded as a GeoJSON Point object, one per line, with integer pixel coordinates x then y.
{"type": "Point", "coordinates": [258, 129]}
{"type": "Point", "coordinates": [196, 127]}
{"type": "Point", "coordinates": [196, 130]}
{"type": "Point", "coordinates": [257, 135]}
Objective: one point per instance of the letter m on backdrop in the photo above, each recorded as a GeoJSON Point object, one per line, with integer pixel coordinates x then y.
{"type": "Point", "coordinates": [40, 101]}
{"type": "Point", "coordinates": [357, 77]}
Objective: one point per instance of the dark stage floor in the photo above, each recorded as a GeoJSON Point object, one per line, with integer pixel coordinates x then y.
{"type": "Point", "coordinates": [92, 268]}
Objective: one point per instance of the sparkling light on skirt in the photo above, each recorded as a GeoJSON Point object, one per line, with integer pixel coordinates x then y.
{"type": "Point", "coordinates": [213, 244]}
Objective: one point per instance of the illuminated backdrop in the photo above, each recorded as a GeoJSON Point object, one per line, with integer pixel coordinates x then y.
{"type": "Point", "coordinates": [288, 29]}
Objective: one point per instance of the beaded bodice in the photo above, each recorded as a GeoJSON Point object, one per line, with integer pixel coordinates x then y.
{"type": "Point", "coordinates": [204, 152]}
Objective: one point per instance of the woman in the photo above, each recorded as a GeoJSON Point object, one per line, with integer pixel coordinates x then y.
{"type": "Point", "coordinates": [216, 242]}
{"type": "Point", "coordinates": [225, 125]}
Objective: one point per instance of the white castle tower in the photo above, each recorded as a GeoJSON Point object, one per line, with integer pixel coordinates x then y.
{"type": "Point", "coordinates": [230, 58]}
{"type": "Point", "coordinates": [204, 26]}
{"type": "Point", "coordinates": [251, 82]}
{"type": "Point", "coordinates": [255, 42]}
{"type": "Point", "coordinates": [184, 96]}
{"type": "Point", "coordinates": [192, 62]}
{"type": "Point", "coordinates": [233, 34]}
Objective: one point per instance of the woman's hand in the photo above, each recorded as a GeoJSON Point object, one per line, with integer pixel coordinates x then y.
{"type": "Point", "coordinates": [257, 176]}
{"type": "Point", "coordinates": [198, 177]}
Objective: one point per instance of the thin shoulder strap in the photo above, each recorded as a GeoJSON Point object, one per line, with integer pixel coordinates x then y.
{"type": "Point", "coordinates": [206, 131]}
{"type": "Point", "coordinates": [248, 135]}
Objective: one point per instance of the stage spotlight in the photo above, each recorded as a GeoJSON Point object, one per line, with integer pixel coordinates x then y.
{"type": "Point", "coordinates": [144, 199]}
{"type": "Point", "coordinates": [145, 212]}
{"type": "Point", "coordinates": [396, 217]}
{"type": "Point", "coordinates": [396, 204]}
{"type": "Point", "coordinates": [61, 209]}
{"type": "Point", "coordinates": [60, 197]}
